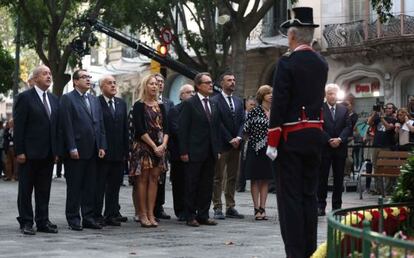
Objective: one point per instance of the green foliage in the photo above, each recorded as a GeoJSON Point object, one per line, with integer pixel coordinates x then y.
{"type": "Point", "coordinates": [6, 70]}
{"type": "Point", "coordinates": [383, 9]}
{"type": "Point", "coordinates": [404, 190]}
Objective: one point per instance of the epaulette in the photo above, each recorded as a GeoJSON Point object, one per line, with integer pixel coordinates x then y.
{"type": "Point", "coordinates": [287, 53]}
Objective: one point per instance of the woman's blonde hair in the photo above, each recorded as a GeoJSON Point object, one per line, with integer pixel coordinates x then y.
{"type": "Point", "coordinates": [261, 92]}
{"type": "Point", "coordinates": [142, 88]}
{"type": "Point", "coordinates": [404, 111]}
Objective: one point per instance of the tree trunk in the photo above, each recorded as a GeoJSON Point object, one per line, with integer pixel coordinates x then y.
{"type": "Point", "coordinates": [238, 61]}
{"type": "Point", "coordinates": [60, 79]}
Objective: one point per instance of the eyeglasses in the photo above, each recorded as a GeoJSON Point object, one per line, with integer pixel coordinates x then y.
{"type": "Point", "coordinates": [85, 77]}
{"type": "Point", "coordinates": [207, 82]}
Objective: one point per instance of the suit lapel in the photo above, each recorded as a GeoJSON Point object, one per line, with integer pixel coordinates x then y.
{"type": "Point", "coordinates": [200, 106]}
{"type": "Point", "coordinates": [82, 103]}
{"type": "Point", "coordinates": [53, 106]}
{"type": "Point", "coordinates": [39, 102]}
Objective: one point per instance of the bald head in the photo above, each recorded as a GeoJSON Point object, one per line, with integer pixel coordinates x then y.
{"type": "Point", "coordinates": [186, 91]}
{"type": "Point", "coordinates": [108, 86]}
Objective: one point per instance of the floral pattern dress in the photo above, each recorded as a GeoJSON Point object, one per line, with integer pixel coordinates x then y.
{"type": "Point", "coordinates": [142, 155]}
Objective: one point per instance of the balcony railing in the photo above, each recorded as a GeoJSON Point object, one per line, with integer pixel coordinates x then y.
{"type": "Point", "coordinates": [357, 32]}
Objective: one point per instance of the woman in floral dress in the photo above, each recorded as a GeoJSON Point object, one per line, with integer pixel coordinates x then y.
{"type": "Point", "coordinates": [148, 157]}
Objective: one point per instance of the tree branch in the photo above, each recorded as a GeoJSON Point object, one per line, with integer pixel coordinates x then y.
{"type": "Point", "coordinates": [181, 13]}
{"type": "Point", "coordinates": [38, 32]}
{"type": "Point", "coordinates": [242, 8]}
{"type": "Point", "coordinates": [253, 18]}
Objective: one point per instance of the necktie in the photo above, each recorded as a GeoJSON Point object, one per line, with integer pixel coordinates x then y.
{"type": "Point", "coordinates": [231, 104]}
{"type": "Point", "coordinates": [111, 107]}
{"type": "Point", "coordinates": [45, 104]}
{"type": "Point", "coordinates": [206, 108]}
{"type": "Point", "coordinates": [333, 113]}
{"type": "Point", "coordinates": [86, 100]}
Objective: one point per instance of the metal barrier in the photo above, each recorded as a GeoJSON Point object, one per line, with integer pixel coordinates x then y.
{"type": "Point", "coordinates": [371, 231]}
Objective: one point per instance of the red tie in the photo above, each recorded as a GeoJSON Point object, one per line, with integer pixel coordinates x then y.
{"type": "Point", "coordinates": [206, 108]}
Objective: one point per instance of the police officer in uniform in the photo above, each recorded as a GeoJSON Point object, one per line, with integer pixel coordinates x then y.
{"type": "Point", "coordinates": [295, 134]}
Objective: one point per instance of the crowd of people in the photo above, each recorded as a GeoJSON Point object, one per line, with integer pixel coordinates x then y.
{"type": "Point", "coordinates": [210, 143]}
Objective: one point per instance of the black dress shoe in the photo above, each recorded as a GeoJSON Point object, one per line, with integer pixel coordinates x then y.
{"type": "Point", "coordinates": [28, 230]}
{"type": "Point", "coordinates": [75, 227]}
{"type": "Point", "coordinates": [121, 218]}
{"type": "Point", "coordinates": [91, 225]}
{"type": "Point", "coordinates": [193, 223]}
{"type": "Point", "coordinates": [321, 212]}
{"type": "Point", "coordinates": [101, 221]}
{"type": "Point", "coordinates": [162, 215]}
{"type": "Point", "coordinates": [112, 222]}
{"type": "Point", "coordinates": [47, 229]}
{"type": "Point", "coordinates": [208, 222]}
{"type": "Point", "coordinates": [50, 224]}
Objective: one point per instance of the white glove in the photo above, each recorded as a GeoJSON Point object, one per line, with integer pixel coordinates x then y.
{"type": "Point", "coordinates": [271, 152]}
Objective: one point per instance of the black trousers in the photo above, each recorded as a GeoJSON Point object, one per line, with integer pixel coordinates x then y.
{"type": "Point", "coordinates": [37, 175]}
{"type": "Point", "coordinates": [338, 166]}
{"type": "Point", "coordinates": [109, 179]}
{"type": "Point", "coordinates": [297, 169]}
{"type": "Point", "coordinates": [177, 174]}
{"type": "Point", "coordinates": [199, 188]}
{"type": "Point", "coordinates": [159, 202]}
{"type": "Point", "coordinates": [80, 191]}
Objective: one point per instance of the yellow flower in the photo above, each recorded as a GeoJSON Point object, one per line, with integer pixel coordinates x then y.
{"type": "Point", "coordinates": [321, 252]}
{"type": "Point", "coordinates": [395, 211]}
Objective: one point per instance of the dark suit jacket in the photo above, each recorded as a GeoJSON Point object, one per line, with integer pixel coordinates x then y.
{"type": "Point", "coordinates": [116, 129]}
{"type": "Point", "coordinates": [173, 146]}
{"type": "Point", "coordinates": [231, 125]}
{"type": "Point", "coordinates": [34, 133]}
{"type": "Point", "coordinates": [168, 105]}
{"type": "Point", "coordinates": [197, 136]}
{"type": "Point", "coordinates": [340, 127]}
{"type": "Point", "coordinates": [79, 129]}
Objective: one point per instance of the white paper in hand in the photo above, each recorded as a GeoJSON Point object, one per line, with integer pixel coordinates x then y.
{"type": "Point", "coordinates": [271, 152]}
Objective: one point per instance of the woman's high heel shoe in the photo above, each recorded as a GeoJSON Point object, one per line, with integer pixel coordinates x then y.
{"type": "Point", "coordinates": [257, 214]}
{"type": "Point", "coordinates": [263, 212]}
{"type": "Point", "coordinates": [153, 222]}
{"type": "Point", "coordinates": [145, 222]}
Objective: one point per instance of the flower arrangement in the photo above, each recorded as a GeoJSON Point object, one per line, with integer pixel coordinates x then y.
{"type": "Point", "coordinates": [394, 218]}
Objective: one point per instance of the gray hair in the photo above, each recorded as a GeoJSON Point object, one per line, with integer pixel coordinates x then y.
{"type": "Point", "coordinates": [303, 35]}
{"type": "Point", "coordinates": [332, 86]}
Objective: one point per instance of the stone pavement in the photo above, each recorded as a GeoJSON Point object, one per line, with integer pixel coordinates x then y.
{"type": "Point", "coordinates": [230, 238]}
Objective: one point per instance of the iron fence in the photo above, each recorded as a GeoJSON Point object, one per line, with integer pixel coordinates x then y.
{"type": "Point", "coordinates": [371, 231]}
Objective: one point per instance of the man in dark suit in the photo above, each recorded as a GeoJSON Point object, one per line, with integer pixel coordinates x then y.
{"type": "Point", "coordinates": [198, 144]}
{"type": "Point", "coordinates": [336, 130]}
{"type": "Point", "coordinates": [295, 130]}
{"type": "Point", "coordinates": [111, 167]}
{"type": "Point", "coordinates": [177, 171]}
{"type": "Point", "coordinates": [231, 113]}
{"type": "Point", "coordinates": [83, 141]}
{"type": "Point", "coordinates": [159, 202]}
{"type": "Point", "coordinates": [35, 118]}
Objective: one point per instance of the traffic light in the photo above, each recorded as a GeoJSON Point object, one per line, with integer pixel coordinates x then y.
{"type": "Point", "coordinates": [156, 67]}
{"type": "Point", "coordinates": [162, 49]}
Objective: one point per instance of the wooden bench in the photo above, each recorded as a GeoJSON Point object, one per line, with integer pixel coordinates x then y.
{"type": "Point", "coordinates": [388, 165]}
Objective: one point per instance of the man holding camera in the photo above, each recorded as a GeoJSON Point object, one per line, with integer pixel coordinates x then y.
{"type": "Point", "coordinates": [383, 121]}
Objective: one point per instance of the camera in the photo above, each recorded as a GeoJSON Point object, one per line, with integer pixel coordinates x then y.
{"type": "Point", "coordinates": [378, 105]}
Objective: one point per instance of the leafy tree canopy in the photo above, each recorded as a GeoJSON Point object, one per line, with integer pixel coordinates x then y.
{"type": "Point", "coordinates": [6, 70]}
